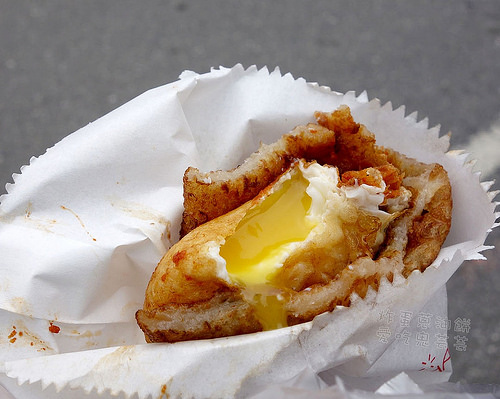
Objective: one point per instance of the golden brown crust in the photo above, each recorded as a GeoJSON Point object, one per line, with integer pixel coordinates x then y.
{"type": "Point", "coordinates": [187, 289]}
{"type": "Point", "coordinates": [428, 230]}
{"type": "Point", "coordinates": [224, 314]}
{"type": "Point", "coordinates": [182, 276]}
{"type": "Point", "coordinates": [209, 195]}
{"type": "Point", "coordinates": [355, 147]}
{"type": "Point", "coordinates": [362, 274]}
{"type": "Point", "coordinates": [336, 140]}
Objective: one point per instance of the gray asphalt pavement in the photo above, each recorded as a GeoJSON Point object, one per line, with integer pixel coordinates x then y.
{"type": "Point", "coordinates": [64, 64]}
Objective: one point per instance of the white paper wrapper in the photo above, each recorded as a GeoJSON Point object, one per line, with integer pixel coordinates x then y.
{"type": "Point", "coordinates": [84, 225]}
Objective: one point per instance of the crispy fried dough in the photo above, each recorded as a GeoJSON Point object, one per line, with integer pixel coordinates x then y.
{"type": "Point", "coordinates": [187, 298]}
{"type": "Point", "coordinates": [225, 314]}
{"type": "Point", "coordinates": [335, 140]}
{"type": "Point", "coordinates": [209, 195]}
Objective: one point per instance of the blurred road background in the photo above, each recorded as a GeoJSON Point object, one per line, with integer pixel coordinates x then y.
{"type": "Point", "coordinates": [64, 64]}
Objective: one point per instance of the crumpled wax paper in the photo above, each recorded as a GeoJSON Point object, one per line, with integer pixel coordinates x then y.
{"type": "Point", "coordinates": [84, 225]}
{"type": "Point", "coordinates": [400, 386]}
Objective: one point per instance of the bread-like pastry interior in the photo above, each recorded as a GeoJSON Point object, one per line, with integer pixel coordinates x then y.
{"type": "Point", "coordinates": [339, 214]}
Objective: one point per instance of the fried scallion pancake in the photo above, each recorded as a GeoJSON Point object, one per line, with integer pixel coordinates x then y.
{"type": "Point", "coordinates": [294, 231]}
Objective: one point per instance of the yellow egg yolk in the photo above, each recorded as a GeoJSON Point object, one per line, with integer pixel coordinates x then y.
{"type": "Point", "coordinates": [270, 311]}
{"type": "Point", "coordinates": [257, 247]}
{"type": "Point", "coordinates": [260, 243]}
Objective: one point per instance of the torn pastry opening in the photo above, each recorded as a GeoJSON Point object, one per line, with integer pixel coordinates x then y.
{"type": "Point", "coordinates": [274, 226]}
{"type": "Point", "coordinates": [307, 218]}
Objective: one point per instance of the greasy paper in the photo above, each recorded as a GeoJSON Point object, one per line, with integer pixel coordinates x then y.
{"type": "Point", "coordinates": [84, 225]}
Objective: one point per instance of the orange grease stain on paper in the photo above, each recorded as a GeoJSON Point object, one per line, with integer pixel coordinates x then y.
{"type": "Point", "coordinates": [20, 335]}
{"type": "Point", "coordinates": [54, 329]}
{"type": "Point", "coordinates": [163, 392]}
{"type": "Point", "coordinates": [20, 305]}
{"type": "Point", "coordinates": [79, 221]}
{"type": "Point", "coordinates": [12, 336]}
{"type": "Point", "coordinates": [87, 334]}
{"type": "Point", "coordinates": [41, 224]}
{"type": "Point", "coordinates": [28, 210]}
{"type": "Point", "coordinates": [90, 336]}
{"type": "Point", "coordinates": [116, 361]}
{"type": "Point", "coordinates": [139, 211]}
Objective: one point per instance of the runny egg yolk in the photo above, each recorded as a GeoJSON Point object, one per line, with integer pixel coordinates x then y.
{"type": "Point", "coordinates": [257, 247]}
{"type": "Point", "coordinates": [261, 242]}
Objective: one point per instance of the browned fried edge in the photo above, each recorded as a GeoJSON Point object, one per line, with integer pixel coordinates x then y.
{"type": "Point", "coordinates": [212, 194]}
{"type": "Point", "coordinates": [426, 227]}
